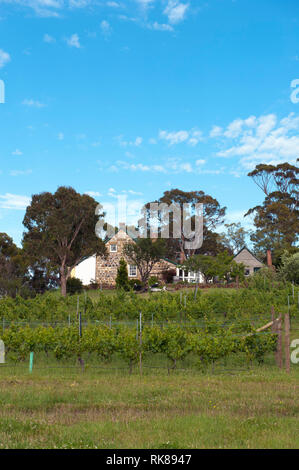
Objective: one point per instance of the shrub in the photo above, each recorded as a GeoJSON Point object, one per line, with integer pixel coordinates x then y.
{"type": "Point", "coordinates": [74, 286]}
{"type": "Point", "coordinates": [153, 280]}
{"type": "Point", "coordinates": [122, 279]}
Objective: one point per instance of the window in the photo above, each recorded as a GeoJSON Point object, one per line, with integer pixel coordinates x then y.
{"type": "Point", "coordinates": [247, 272]}
{"type": "Point", "coordinates": [132, 270]}
{"type": "Point", "coordinates": [256, 269]}
{"type": "Point", "coordinates": [113, 248]}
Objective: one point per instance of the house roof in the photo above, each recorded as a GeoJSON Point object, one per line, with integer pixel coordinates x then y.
{"type": "Point", "coordinates": [245, 248]}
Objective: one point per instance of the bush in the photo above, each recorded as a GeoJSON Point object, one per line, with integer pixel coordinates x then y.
{"type": "Point", "coordinates": [135, 284]}
{"type": "Point", "coordinates": [153, 280]}
{"type": "Point", "coordinates": [74, 286]}
{"type": "Point", "coordinates": [122, 279]}
{"type": "Point", "coordinates": [289, 269]}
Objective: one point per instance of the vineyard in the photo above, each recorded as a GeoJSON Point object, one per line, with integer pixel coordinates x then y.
{"type": "Point", "coordinates": [173, 330]}
{"type": "Point", "coordinates": [167, 370]}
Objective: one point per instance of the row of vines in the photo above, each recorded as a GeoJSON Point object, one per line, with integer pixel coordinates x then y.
{"type": "Point", "coordinates": [207, 345]}
{"type": "Point", "coordinates": [119, 305]}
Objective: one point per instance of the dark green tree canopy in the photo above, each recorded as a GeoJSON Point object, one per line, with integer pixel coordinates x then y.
{"type": "Point", "coordinates": [277, 219]}
{"type": "Point", "coordinates": [144, 254]}
{"type": "Point", "coordinates": [60, 227]}
{"type": "Point", "coordinates": [213, 215]}
{"type": "Point", "coordinates": [122, 278]}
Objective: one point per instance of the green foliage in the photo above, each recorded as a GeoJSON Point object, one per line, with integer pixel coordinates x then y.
{"type": "Point", "coordinates": [277, 219]}
{"type": "Point", "coordinates": [289, 269]}
{"type": "Point", "coordinates": [153, 280]}
{"type": "Point", "coordinates": [209, 343]}
{"type": "Point", "coordinates": [74, 286]}
{"type": "Point", "coordinates": [60, 227]}
{"type": "Point", "coordinates": [122, 278]}
{"type": "Point", "coordinates": [256, 300]}
{"type": "Point", "coordinates": [144, 254]}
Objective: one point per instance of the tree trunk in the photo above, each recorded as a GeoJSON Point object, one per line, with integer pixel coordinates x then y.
{"type": "Point", "coordinates": [63, 282]}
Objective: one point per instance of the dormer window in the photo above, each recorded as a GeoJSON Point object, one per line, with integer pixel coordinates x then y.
{"type": "Point", "coordinates": [113, 248]}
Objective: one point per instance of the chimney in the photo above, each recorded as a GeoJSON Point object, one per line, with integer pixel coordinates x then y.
{"type": "Point", "coordinates": [122, 226]}
{"type": "Point", "coordinates": [269, 259]}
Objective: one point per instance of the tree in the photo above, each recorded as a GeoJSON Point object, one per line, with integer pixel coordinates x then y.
{"type": "Point", "coordinates": [289, 269]}
{"type": "Point", "coordinates": [13, 267]}
{"type": "Point", "coordinates": [235, 237]}
{"type": "Point", "coordinates": [213, 215]}
{"type": "Point", "coordinates": [122, 278]}
{"type": "Point", "coordinates": [74, 286]}
{"type": "Point", "coordinates": [277, 219]}
{"type": "Point", "coordinates": [145, 253]}
{"type": "Point", "coordinates": [211, 267]}
{"type": "Point", "coordinates": [61, 228]}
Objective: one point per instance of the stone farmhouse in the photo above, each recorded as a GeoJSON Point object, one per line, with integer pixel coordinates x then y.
{"type": "Point", "coordinates": [104, 270]}
{"type": "Point", "coordinates": [251, 263]}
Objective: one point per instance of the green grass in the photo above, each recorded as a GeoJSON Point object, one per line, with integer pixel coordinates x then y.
{"type": "Point", "coordinates": [66, 408]}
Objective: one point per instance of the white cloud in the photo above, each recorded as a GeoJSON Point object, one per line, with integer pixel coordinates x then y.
{"type": "Point", "coordinates": [176, 11]}
{"type": "Point", "coordinates": [17, 152]}
{"type": "Point", "coordinates": [14, 201]}
{"type": "Point", "coordinates": [74, 41]}
{"type": "Point", "coordinates": [49, 39]}
{"type": "Point", "coordinates": [33, 103]}
{"type": "Point", "coordinates": [145, 3]}
{"type": "Point", "coordinates": [79, 3]}
{"type": "Point", "coordinates": [113, 4]}
{"type": "Point", "coordinates": [106, 28]}
{"type": "Point", "coordinates": [20, 172]}
{"type": "Point", "coordinates": [174, 137]}
{"type": "Point", "coordinates": [215, 131]}
{"type": "Point", "coordinates": [263, 139]}
{"type": "Point", "coordinates": [43, 8]}
{"type": "Point", "coordinates": [93, 193]}
{"type": "Point", "coordinates": [161, 26]}
{"type": "Point", "coordinates": [191, 137]}
{"type": "Point", "coordinates": [4, 58]}
{"type": "Point", "coordinates": [124, 143]}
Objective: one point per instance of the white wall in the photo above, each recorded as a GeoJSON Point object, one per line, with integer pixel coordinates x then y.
{"type": "Point", "coordinates": [86, 271]}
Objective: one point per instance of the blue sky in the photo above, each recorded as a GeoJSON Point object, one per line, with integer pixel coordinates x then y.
{"type": "Point", "coordinates": [137, 97]}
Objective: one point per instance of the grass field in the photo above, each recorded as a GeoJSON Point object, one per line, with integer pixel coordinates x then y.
{"type": "Point", "coordinates": [256, 408]}
{"type": "Point", "coordinates": [232, 404]}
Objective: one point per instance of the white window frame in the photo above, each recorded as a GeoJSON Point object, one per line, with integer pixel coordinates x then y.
{"type": "Point", "coordinates": [129, 270]}
{"type": "Point", "coordinates": [113, 245]}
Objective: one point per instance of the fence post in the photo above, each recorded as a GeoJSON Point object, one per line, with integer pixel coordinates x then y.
{"type": "Point", "coordinates": [287, 341]}
{"type": "Point", "coordinates": [2, 352]}
{"type": "Point", "coordinates": [278, 354]}
{"type": "Point", "coordinates": [80, 325]}
{"type": "Point", "coordinates": [31, 362]}
{"type": "Point", "coordinates": [140, 344]}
